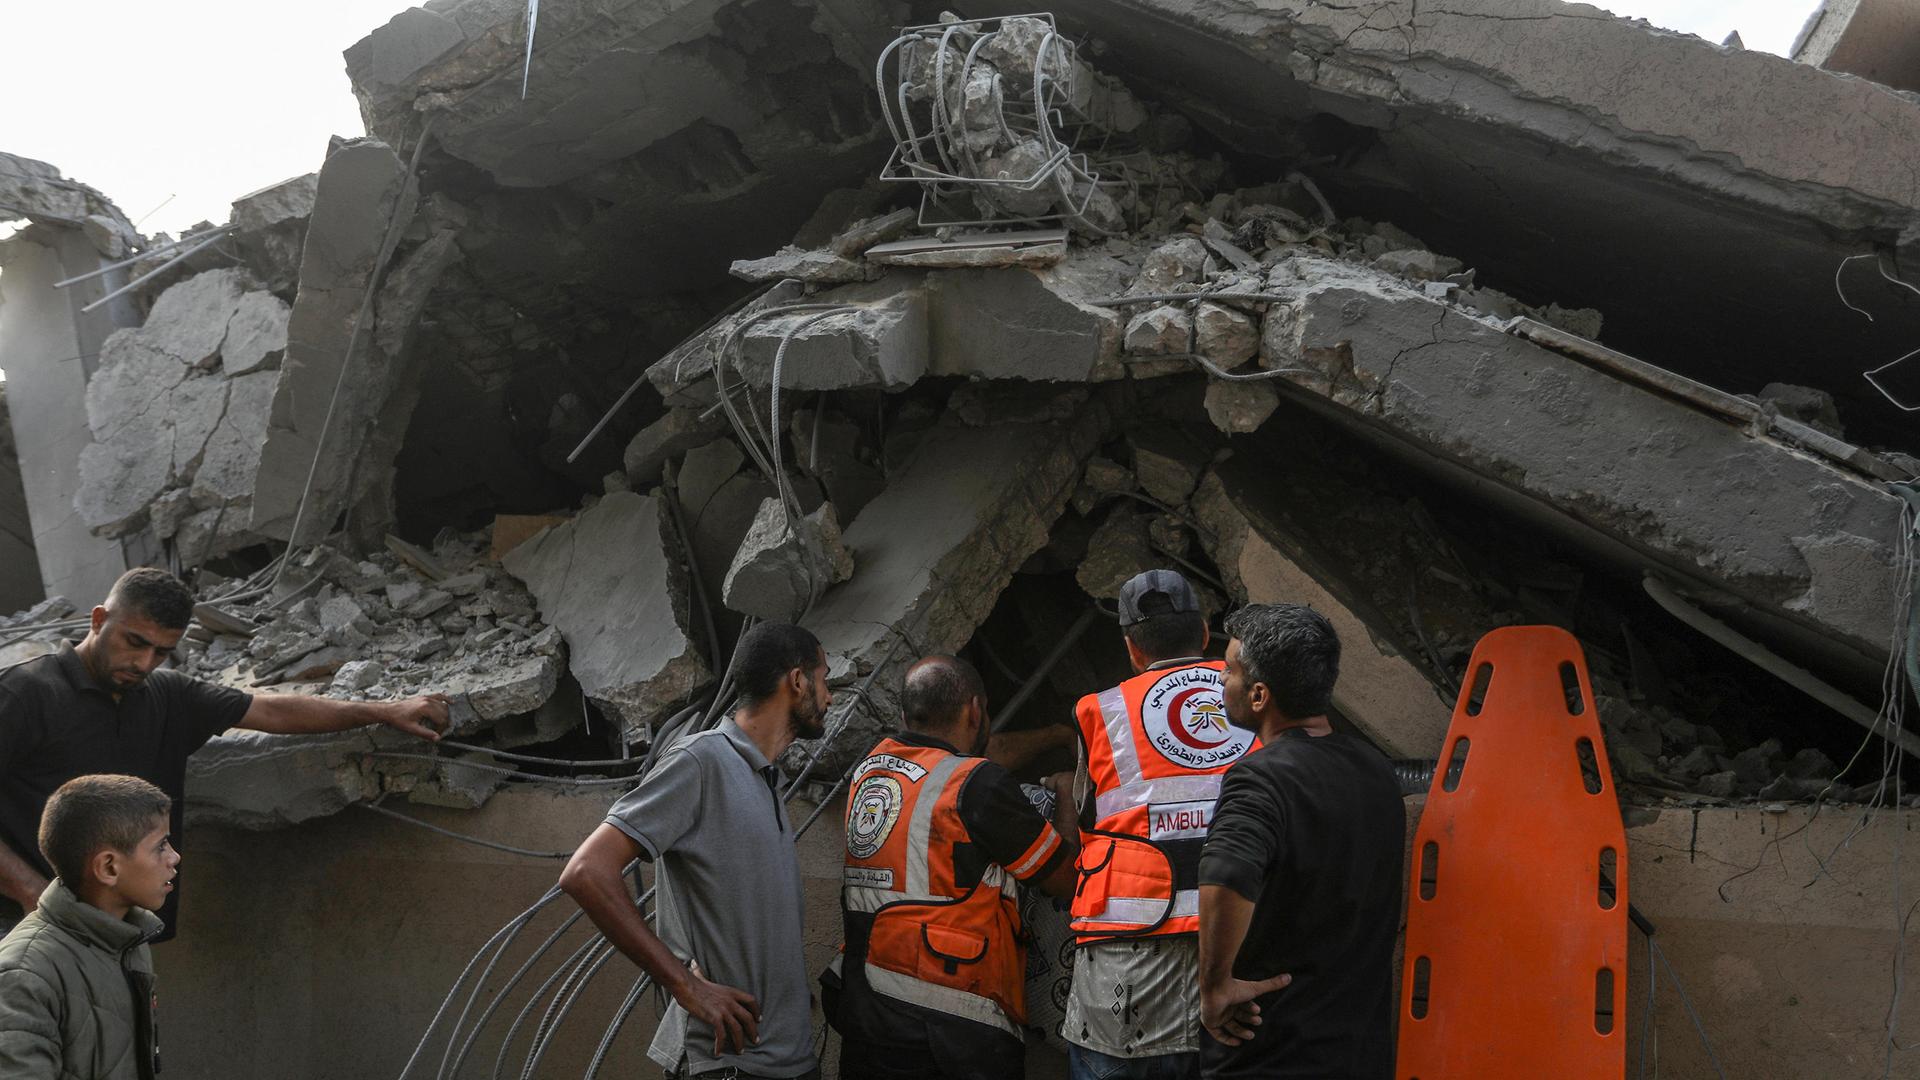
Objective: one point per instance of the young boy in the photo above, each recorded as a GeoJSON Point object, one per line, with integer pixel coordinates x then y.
{"type": "Point", "coordinates": [76, 979]}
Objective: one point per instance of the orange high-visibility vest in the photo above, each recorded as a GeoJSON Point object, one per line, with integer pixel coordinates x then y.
{"type": "Point", "coordinates": [1156, 746]}
{"type": "Point", "coordinates": [935, 944]}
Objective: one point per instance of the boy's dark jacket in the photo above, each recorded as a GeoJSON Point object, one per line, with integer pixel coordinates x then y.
{"type": "Point", "coordinates": [76, 993]}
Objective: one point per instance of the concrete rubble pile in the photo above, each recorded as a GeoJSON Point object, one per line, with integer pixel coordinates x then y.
{"type": "Point", "coordinates": [1030, 315]}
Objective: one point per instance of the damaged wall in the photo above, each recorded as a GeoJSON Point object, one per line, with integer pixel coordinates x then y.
{"type": "Point", "coordinates": [50, 348]}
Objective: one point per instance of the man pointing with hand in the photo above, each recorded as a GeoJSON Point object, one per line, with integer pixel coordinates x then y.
{"type": "Point", "coordinates": [106, 705]}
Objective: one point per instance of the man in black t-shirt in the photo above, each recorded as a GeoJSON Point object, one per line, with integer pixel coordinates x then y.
{"type": "Point", "coordinates": [107, 706]}
{"type": "Point", "coordinates": [1300, 876]}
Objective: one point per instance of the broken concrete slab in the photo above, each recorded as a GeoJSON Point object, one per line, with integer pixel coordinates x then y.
{"type": "Point", "coordinates": [1237, 408]}
{"type": "Point", "coordinates": [1121, 546]}
{"type": "Point", "coordinates": [256, 334]}
{"type": "Point", "coordinates": [679, 133]}
{"type": "Point", "coordinates": [812, 267]}
{"type": "Point", "coordinates": [1382, 690]}
{"type": "Point", "coordinates": [361, 190]}
{"type": "Point", "coordinates": [189, 321]}
{"type": "Point", "coordinates": [875, 342]}
{"type": "Point", "coordinates": [1024, 324]}
{"type": "Point", "coordinates": [679, 431]}
{"type": "Point", "coordinates": [785, 561]}
{"type": "Point", "coordinates": [1587, 451]}
{"type": "Point", "coordinates": [936, 548]}
{"type": "Point", "coordinates": [36, 190]}
{"type": "Point", "coordinates": [270, 228]}
{"type": "Point", "coordinates": [253, 780]}
{"type": "Point", "coordinates": [130, 460]}
{"type": "Point", "coordinates": [1466, 141]}
{"type": "Point", "coordinates": [1224, 335]}
{"type": "Point", "coordinates": [613, 581]}
{"type": "Point", "coordinates": [1162, 330]}
{"type": "Point", "coordinates": [1168, 462]}
{"type": "Point", "coordinates": [831, 450]}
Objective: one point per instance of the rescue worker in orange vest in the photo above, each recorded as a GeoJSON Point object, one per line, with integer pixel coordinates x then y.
{"type": "Point", "coordinates": [1154, 749]}
{"type": "Point", "coordinates": [931, 979]}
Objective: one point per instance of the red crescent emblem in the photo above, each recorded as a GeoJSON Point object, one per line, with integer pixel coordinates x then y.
{"type": "Point", "coordinates": [1176, 719]}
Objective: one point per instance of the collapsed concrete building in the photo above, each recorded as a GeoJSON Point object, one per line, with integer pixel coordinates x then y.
{"type": "Point", "coordinates": [594, 349]}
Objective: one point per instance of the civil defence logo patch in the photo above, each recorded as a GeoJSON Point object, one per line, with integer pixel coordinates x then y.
{"type": "Point", "coordinates": [876, 807]}
{"type": "Point", "coordinates": [1185, 717]}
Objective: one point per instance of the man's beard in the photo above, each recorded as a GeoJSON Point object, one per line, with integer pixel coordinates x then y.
{"type": "Point", "coordinates": [1241, 717]}
{"type": "Point", "coordinates": [807, 719]}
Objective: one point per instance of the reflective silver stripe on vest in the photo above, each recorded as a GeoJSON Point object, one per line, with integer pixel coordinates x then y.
{"type": "Point", "coordinates": [1165, 789]}
{"type": "Point", "coordinates": [1144, 910]}
{"type": "Point", "coordinates": [920, 828]}
{"type": "Point", "coordinates": [1119, 721]}
{"type": "Point", "coordinates": [940, 998]}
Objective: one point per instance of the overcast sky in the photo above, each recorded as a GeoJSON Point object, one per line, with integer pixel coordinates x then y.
{"type": "Point", "coordinates": [175, 108]}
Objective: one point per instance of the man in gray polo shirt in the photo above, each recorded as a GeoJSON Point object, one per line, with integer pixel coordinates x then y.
{"type": "Point", "coordinates": [709, 817]}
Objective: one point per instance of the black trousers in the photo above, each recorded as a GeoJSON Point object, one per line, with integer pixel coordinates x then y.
{"type": "Point", "coordinates": [992, 1056]}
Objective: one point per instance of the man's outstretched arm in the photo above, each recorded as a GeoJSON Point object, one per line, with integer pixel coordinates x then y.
{"type": "Point", "coordinates": [596, 879]}
{"type": "Point", "coordinates": [298, 714]}
{"type": "Point", "coordinates": [19, 881]}
{"type": "Point", "coordinates": [1227, 1008]}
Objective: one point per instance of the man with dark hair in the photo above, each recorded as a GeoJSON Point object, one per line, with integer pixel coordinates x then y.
{"type": "Point", "coordinates": [107, 706]}
{"type": "Point", "coordinates": [76, 978]}
{"type": "Point", "coordinates": [931, 981]}
{"type": "Point", "coordinates": [1155, 748]}
{"type": "Point", "coordinates": [710, 818]}
{"type": "Point", "coordinates": [1300, 878]}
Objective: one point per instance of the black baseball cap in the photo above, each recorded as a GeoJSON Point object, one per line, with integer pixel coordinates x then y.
{"type": "Point", "coordinates": [1168, 583]}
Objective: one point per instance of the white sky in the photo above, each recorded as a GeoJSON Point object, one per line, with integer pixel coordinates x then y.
{"type": "Point", "coordinates": [201, 101]}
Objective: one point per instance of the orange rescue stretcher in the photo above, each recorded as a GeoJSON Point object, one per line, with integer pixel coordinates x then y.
{"type": "Point", "coordinates": [1516, 951]}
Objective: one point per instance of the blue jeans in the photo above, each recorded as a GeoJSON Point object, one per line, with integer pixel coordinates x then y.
{"type": "Point", "coordinates": [1085, 1064]}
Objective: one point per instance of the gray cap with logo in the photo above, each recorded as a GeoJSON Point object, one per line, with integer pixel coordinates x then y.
{"type": "Point", "coordinates": [1180, 597]}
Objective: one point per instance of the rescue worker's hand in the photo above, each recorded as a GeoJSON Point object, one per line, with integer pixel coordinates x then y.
{"type": "Point", "coordinates": [425, 716]}
{"type": "Point", "coordinates": [734, 1015]}
{"type": "Point", "coordinates": [1230, 1014]}
{"type": "Point", "coordinates": [1060, 783]}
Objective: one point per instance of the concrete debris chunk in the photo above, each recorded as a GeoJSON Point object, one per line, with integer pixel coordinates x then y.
{"type": "Point", "coordinates": [679, 431]}
{"type": "Point", "coordinates": [361, 190]}
{"type": "Point", "coordinates": [1419, 265]}
{"type": "Point", "coordinates": [876, 342]}
{"type": "Point", "coordinates": [1224, 335]}
{"type": "Point", "coordinates": [1237, 408]}
{"type": "Point", "coordinates": [1167, 461]}
{"type": "Point", "coordinates": [1160, 331]}
{"type": "Point", "coordinates": [1582, 321]}
{"type": "Point", "coordinates": [189, 321]}
{"type": "Point", "coordinates": [813, 267]}
{"type": "Point", "coordinates": [1177, 262]}
{"type": "Point", "coordinates": [1021, 191]}
{"type": "Point", "coordinates": [1119, 548]}
{"type": "Point", "coordinates": [613, 581]}
{"type": "Point", "coordinates": [1809, 405]}
{"type": "Point", "coordinates": [1043, 327]}
{"type": "Point", "coordinates": [939, 544]}
{"type": "Point", "coordinates": [1574, 435]}
{"type": "Point", "coordinates": [856, 238]}
{"type": "Point", "coordinates": [355, 676]}
{"type": "Point", "coordinates": [256, 334]}
{"type": "Point", "coordinates": [785, 561]}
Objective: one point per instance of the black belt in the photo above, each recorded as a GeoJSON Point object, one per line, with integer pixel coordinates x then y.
{"type": "Point", "coordinates": [731, 1073]}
